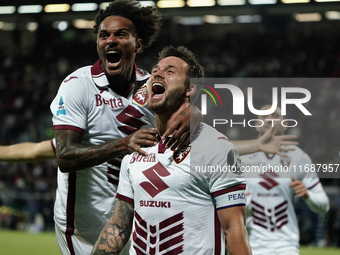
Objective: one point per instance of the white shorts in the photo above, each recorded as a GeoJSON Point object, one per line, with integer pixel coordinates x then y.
{"type": "Point", "coordinates": [72, 244]}
{"type": "Point", "coordinates": [76, 245]}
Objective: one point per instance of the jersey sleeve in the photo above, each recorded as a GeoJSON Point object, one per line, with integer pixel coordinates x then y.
{"type": "Point", "coordinates": [310, 178]}
{"type": "Point", "coordinates": [69, 106]}
{"type": "Point", "coordinates": [125, 189]}
{"type": "Point", "coordinates": [227, 184]}
{"type": "Point", "coordinates": [318, 200]}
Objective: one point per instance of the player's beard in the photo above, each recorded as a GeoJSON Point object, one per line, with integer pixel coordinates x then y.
{"type": "Point", "coordinates": [173, 99]}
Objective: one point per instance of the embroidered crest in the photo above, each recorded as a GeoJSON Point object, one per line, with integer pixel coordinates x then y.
{"type": "Point", "coordinates": [140, 96]}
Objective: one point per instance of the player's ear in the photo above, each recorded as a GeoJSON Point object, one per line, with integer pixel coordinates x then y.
{"type": "Point", "coordinates": [139, 45]}
{"type": "Point", "coordinates": [191, 90]}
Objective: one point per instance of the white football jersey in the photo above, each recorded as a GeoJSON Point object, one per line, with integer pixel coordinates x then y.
{"type": "Point", "coordinates": [175, 196]}
{"type": "Point", "coordinates": [84, 103]}
{"type": "Point", "coordinates": [271, 219]}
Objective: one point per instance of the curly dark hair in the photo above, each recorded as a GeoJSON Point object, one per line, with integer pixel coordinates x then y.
{"type": "Point", "coordinates": [195, 69]}
{"type": "Point", "coordinates": [147, 20]}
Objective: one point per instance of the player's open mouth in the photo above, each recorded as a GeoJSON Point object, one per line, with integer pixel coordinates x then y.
{"type": "Point", "coordinates": [113, 58]}
{"type": "Point", "coordinates": [157, 90]}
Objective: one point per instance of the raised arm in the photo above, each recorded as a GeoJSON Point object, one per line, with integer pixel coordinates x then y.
{"type": "Point", "coordinates": [268, 143]}
{"type": "Point", "coordinates": [233, 220]}
{"type": "Point", "coordinates": [72, 155]}
{"type": "Point", "coordinates": [27, 152]}
{"type": "Point", "coordinates": [117, 230]}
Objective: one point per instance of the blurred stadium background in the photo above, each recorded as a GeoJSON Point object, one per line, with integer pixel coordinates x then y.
{"type": "Point", "coordinates": [41, 43]}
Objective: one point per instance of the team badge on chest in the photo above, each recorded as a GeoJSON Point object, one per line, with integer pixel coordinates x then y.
{"type": "Point", "coordinates": [180, 155]}
{"type": "Point", "coordinates": [140, 96]}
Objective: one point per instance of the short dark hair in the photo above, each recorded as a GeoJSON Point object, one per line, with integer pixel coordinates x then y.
{"type": "Point", "coordinates": [195, 69]}
{"type": "Point", "coordinates": [147, 20]}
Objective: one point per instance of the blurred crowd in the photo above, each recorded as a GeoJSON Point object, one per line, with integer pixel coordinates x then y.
{"type": "Point", "coordinates": [33, 64]}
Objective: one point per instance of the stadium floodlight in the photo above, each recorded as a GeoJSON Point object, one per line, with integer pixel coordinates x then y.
{"type": "Point", "coordinates": [104, 5]}
{"type": "Point", "coordinates": [57, 8]}
{"type": "Point", "coordinates": [32, 26]}
{"type": "Point", "coordinates": [231, 2]}
{"type": "Point", "coordinates": [7, 9]}
{"type": "Point", "coordinates": [30, 9]}
{"type": "Point", "coordinates": [7, 26]}
{"type": "Point", "coordinates": [84, 24]}
{"type": "Point", "coordinates": [147, 3]}
{"type": "Point", "coordinates": [200, 3]}
{"type": "Point", "coordinates": [295, 1]}
{"type": "Point", "coordinates": [170, 3]}
{"type": "Point", "coordinates": [332, 15]}
{"type": "Point", "coordinates": [255, 2]}
{"type": "Point", "coordinates": [324, 1]}
{"type": "Point", "coordinates": [308, 17]}
{"type": "Point", "coordinates": [213, 19]}
{"type": "Point", "coordinates": [84, 7]}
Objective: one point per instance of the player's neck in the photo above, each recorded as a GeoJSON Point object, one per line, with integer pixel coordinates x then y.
{"type": "Point", "coordinates": [121, 83]}
{"type": "Point", "coordinates": [164, 120]}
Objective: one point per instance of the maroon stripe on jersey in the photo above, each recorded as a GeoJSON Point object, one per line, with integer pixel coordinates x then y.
{"type": "Point", "coordinates": [140, 231]}
{"type": "Point", "coordinates": [313, 185]}
{"type": "Point", "coordinates": [171, 220]}
{"type": "Point", "coordinates": [124, 198]}
{"type": "Point", "coordinates": [223, 138]}
{"type": "Point", "coordinates": [258, 205]}
{"type": "Point", "coordinates": [217, 230]}
{"type": "Point", "coordinates": [69, 127]}
{"type": "Point", "coordinates": [175, 251]}
{"type": "Point", "coordinates": [113, 171]}
{"type": "Point", "coordinates": [227, 190]}
{"type": "Point", "coordinates": [258, 218]}
{"type": "Point", "coordinates": [171, 231]}
{"type": "Point", "coordinates": [140, 220]}
{"type": "Point", "coordinates": [171, 242]}
{"type": "Point", "coordinates": [112, 180]}
{"type": "Point", "coordinates": [282, 211]}
{"type": "Point", "coordinates": [283, 223]}
{"type": "Point", "coordinates": [71, 198]}
{"type": "Point", "coordinates": [115, 162]}
{"type": "Point", "coordinates": [53, 147]}
{"type": "Point", "coordinates": [136, 68]}
{"type": "Point", "coordinates": [258, 224]}
{"type": "Point", "coordinates": [281, 218]}
{"type": "Point", "coordinates": [138, 241]}
{"type": "Point", "coordinates": [138, 251]}
{"type": "Point", "coordinates": [280, 205]}
{"type": "Point", "coordinates": [269, 155]}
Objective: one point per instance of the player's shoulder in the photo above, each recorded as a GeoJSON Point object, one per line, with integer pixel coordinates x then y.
{"type": "Point", "coordinates": [78, 75]}
{"type": "Point", "coordinates": [210, 136]}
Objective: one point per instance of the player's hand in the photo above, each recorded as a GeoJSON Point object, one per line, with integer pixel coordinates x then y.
{"type": "Point", "coordinates": [179, 131]}
{"type": "Point", "coordinates": [270, 143]}
{"type": "Point", "coordinates": [299, 188]}
{"type": "Point", "coordinates": [140, 138]}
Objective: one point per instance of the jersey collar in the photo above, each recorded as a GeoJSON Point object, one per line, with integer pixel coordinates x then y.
{"type": "Point", "coordinates": [99, 77]}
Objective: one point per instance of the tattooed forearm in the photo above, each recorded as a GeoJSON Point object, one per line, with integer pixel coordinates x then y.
{"type": "Point", "coordinates": [72, 155]}
{"type": "Point", "coordinates": [125, 211]}
{"type": "Point", "coordinates": [117, 231]}
{"type": "Point", "coordinates": [112, 239]}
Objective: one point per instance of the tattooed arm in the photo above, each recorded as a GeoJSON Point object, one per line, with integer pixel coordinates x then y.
{"type": "Point", "coordinates": [72, 155]}
{"type": "Point", "coordinates": [117, 230]}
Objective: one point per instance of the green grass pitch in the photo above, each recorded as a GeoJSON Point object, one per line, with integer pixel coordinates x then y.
{"type": "Point", "coordinates": [19, 243]}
